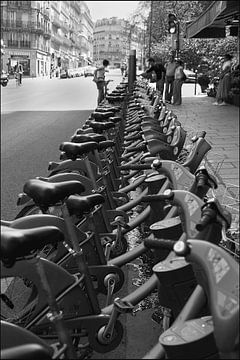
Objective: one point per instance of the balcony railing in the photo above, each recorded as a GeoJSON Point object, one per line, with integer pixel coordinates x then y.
{"type": "Point", "coordinates": [37, 27]}
{"type": "Point", "coordinates": [12, 43]}
{"type": "Point", "coordinates": [25, 44]}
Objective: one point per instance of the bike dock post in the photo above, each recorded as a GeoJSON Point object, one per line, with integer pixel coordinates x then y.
{"type": "Point", "coordinates": [131, 69]}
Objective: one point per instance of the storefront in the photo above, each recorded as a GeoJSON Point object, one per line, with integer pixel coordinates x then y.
{"type": "Point", "coordinates": [12, 57]}
{"type": "Point", "coordinates": [35, 63]}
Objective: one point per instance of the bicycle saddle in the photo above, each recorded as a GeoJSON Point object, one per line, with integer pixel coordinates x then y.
{"type": "Point", "coordinates": [46, 194]}
{"type": "Point", "coordinates": [16, 243]}
{"type": "Point", "coordinates": [26, 352]}
{"type": "Point", "coordinates": [87, 138]}
{"type": "Point", "coordinates": [107, 109]}
{"type": "Point", "coordinates": [79, 205]}
{"type": "Point", "coordinates": [114, 97]}
{"type": "Point", "coordinates": [102, 116]}
{"type": "Point", "coordinates": [103, 145]}
{"type": "Point", "coordinates": [99, 126]}
{"type": "Point", "coordinates": [73, 150]}
{"type": "Point", "coordinates": [115, 119]}
{"type": "Point", "coordinates": [134, 127]}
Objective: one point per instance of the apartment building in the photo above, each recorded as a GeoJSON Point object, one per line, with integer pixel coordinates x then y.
{"type": "Point", "coordinates": [45, 36]}
{"type": "Point", "coordinates": [113, 38]}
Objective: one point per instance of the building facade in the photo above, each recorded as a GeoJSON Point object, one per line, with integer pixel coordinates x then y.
{"type": "Point", "coordinates": [113, 38]}
{"type": "Point", "coordinates": [45, 36]}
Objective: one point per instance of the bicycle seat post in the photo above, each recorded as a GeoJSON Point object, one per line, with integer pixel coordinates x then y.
{"type": "Point", "coordinates": [55, 315]}
{"type": "Point", "coordinates": [82, 266]}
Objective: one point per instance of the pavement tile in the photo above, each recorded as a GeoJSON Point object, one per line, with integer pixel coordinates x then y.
{"type": "Point", "coordinates": [222, 127]}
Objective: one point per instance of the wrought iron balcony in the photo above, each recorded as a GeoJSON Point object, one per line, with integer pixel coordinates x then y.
{"type": "Point", "coordinates": [25, 44]}
{"type": "Point", "coordinates": [37, 28]}
{"type": "Point", "coordinates": [12, 43]}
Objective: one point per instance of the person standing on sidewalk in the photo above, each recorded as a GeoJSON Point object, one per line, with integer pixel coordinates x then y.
{"type": "Point", "coordinates": [224, 85]}
{"type": "Point", "coordinates": [160, 72]}
{"type": "Point", "coordinates": [179, 78]}
{"type": "Point", "coordinates": [170, 71]}
{"type": "Point", "coordinates": [99, 79]}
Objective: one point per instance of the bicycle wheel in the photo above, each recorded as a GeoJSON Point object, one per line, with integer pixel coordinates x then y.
{"type": "Point", "coordinates": [19, 297]}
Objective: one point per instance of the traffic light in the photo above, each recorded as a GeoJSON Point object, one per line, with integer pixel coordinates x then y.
{"type": "Point", "coordinates": [172, 24]}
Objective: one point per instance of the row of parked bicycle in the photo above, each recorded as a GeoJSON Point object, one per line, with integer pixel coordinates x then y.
{"type": "Point", "coordinates": [63, 256]}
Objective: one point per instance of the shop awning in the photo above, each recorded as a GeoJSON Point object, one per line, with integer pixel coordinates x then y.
{"type": "Point", "coordinates": [212, 23]}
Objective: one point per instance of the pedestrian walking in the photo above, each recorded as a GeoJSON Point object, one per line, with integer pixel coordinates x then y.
{"type": "Point", "coordinates": [19, 73]}
{"type": "Point", "coordinates": [224, 85]}
{"type": "Point", "coordinates": [179, 78]}
{"type": "Point", "coordinates": [123, 68]}
{"type": "Point", "coordinates": [99, 79]}
{"type": "Point", "coordinates": [170, 72]}
{"type": "Point", "coordinates": [159, 70]}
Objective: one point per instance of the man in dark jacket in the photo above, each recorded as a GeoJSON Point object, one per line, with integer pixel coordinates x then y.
{"type": "Point", "coordinates": [160, 72]}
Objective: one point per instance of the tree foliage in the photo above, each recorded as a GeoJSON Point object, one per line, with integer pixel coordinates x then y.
{"type": "Point", "coordinates": [194, 51]}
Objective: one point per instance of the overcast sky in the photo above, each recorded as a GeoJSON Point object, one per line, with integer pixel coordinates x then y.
{"type": "Point", "coordinates": [107, 9]}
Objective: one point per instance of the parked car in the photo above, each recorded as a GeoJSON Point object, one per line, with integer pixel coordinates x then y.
{"type": "Point", "coordinates": [89, 71]}
{"type": "Point", "coordinates": [191, 78]}
{"type": "Point", "coordinates": [64, 74]}
{"type": "Point", "coordinates": [4, 78]}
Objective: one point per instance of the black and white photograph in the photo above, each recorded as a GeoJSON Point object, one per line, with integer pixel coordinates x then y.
{"type": "Point", "coordinates": [119, 180]}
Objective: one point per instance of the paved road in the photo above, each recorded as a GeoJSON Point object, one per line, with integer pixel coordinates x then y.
{"type": "Point", "coordinates": [35, 119]}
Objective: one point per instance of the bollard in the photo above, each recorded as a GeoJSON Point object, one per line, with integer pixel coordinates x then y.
{"type": "Point", "coordinates": [195, 85]}
{"type": "Point", "coordinates": [131, 69]}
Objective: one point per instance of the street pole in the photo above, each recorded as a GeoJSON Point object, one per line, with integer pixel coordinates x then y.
{"type": "Point", "coordinates": [195, 85]}
{"type": "Point", "coordinates": [178, 40]}
{"type": "Point", "coordinates": [131, 69]}
{"type": "Point", "coordinates": [150, 30]}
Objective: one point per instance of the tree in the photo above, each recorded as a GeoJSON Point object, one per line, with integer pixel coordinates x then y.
{"type": "Point", "coordinates": [194, 51]}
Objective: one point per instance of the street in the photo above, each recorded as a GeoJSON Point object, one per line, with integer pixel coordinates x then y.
{"type": "Point", "coordinates": [36, 118]}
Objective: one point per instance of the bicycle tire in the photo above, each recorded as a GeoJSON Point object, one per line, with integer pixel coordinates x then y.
{"type": "Point", "coordinates": [117, 338]}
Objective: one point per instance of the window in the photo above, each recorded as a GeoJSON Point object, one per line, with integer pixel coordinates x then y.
{"type": "Point", "coordinates": [12, 16]}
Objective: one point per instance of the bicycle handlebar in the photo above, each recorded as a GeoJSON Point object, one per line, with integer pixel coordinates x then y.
{"type": "Point", "coordinates": [135, 167]}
